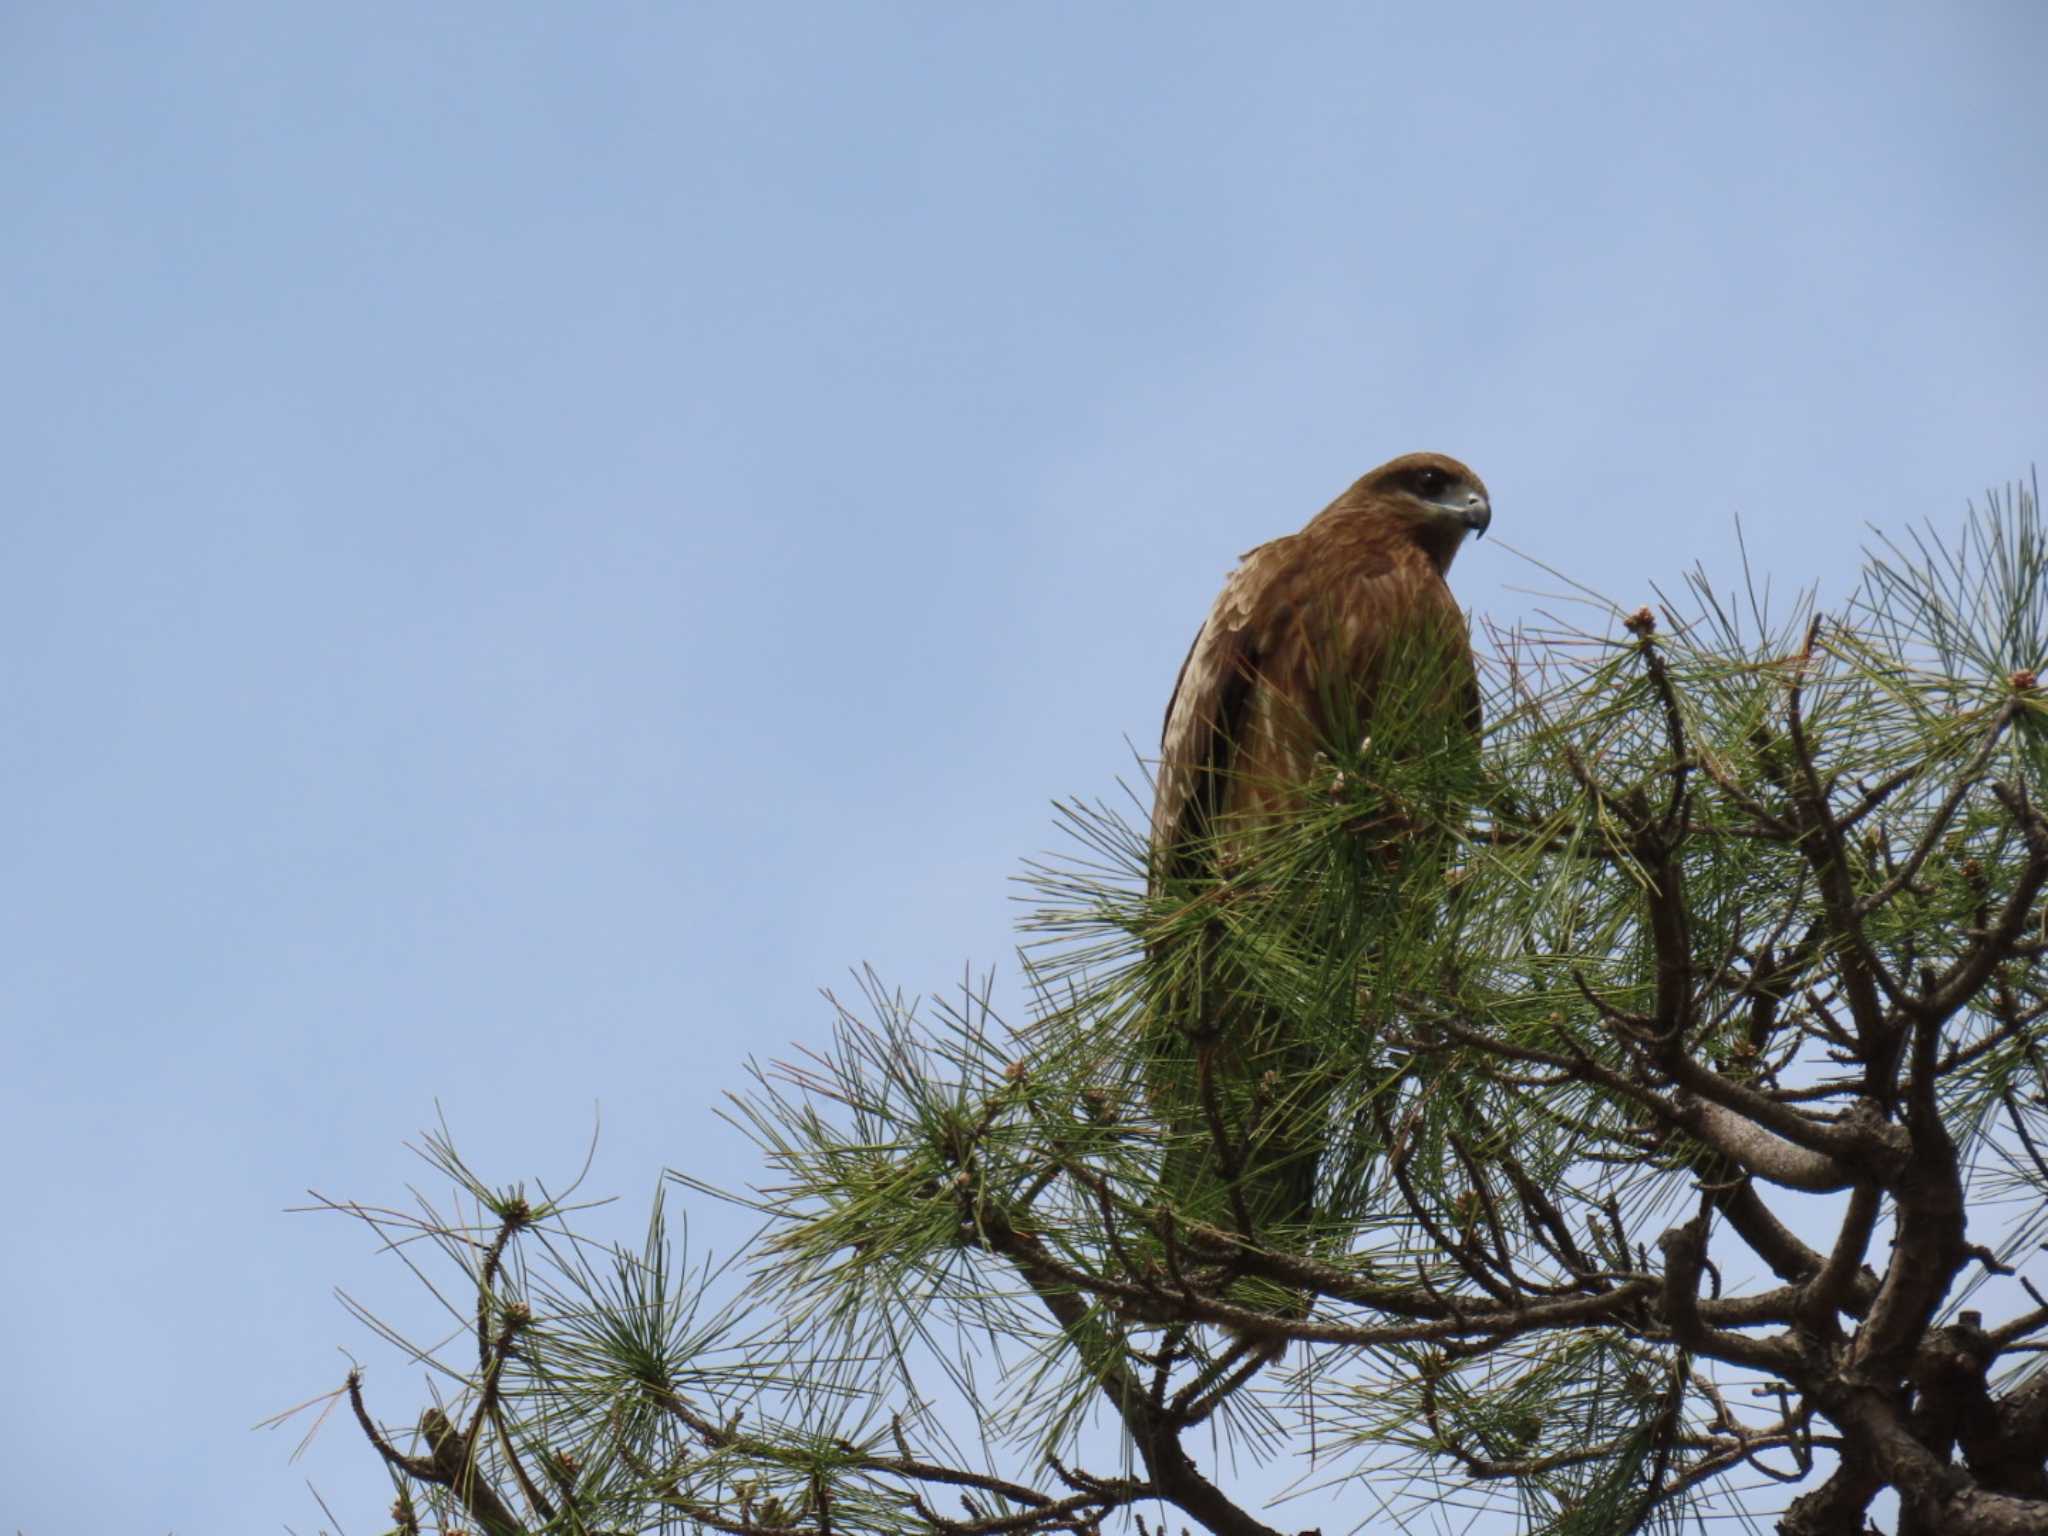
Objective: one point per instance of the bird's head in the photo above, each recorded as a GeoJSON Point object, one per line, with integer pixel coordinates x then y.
{"type": "Point", "coordinates": [1438, 499]}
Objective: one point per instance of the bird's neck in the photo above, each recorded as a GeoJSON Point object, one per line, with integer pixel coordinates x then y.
{"type": "Point", "coordinates": [1440, 540]}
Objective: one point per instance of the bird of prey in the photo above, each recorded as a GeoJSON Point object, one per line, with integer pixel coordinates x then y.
{"type": "Point", "coordinates": [1315, 642]}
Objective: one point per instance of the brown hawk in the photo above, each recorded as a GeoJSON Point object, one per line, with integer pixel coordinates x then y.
{"type": "Point", "coordinates": [1295, 667]}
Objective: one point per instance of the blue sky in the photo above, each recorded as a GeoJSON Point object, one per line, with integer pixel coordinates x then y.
{"type": "Point", "coordinates": [532, 538]}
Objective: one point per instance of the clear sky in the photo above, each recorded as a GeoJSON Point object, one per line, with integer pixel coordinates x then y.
{"type": "Point", "coordinates": [534, 537]}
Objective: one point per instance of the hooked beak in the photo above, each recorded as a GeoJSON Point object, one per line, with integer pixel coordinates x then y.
{"type": "Point", "coordinates": [1478, 514]}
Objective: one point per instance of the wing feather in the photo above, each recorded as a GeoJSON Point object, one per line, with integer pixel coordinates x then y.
{"type": "Point", "coordinates": [1212, 699]}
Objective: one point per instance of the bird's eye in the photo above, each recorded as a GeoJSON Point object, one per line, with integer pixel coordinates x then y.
{"type": "Point", "coordinates": [1430, 481]}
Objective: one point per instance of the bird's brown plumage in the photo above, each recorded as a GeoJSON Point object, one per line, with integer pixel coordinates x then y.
{"type": "Point", "coordinates": [1305, 622]}
{"type": "Point", "coordinates": [1296, 653]}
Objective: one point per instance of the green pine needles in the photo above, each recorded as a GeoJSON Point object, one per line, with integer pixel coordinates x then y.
{"type": "Point", "coordinates": [1640, 1114]}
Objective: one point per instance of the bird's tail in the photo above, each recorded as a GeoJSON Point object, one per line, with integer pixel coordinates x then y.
{"type": "Point", "coordinates": [1244, 1135]}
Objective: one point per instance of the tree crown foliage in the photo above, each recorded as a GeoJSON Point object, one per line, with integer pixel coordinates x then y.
{"type": "Point", "coordinates": [1675, 1068]}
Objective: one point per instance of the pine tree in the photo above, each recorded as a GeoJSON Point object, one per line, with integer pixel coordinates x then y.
{"type": "Point", "coordinates": [1680, 1128]}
